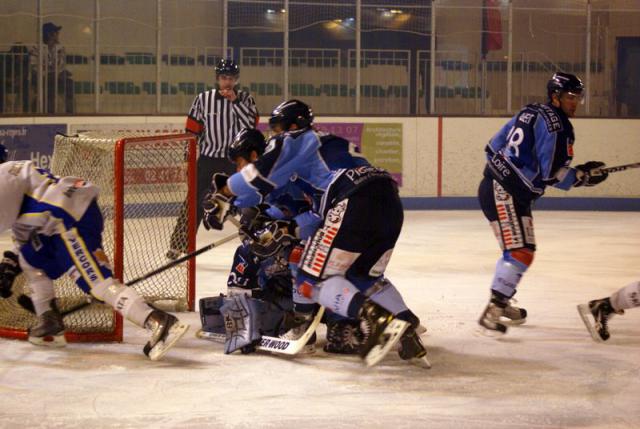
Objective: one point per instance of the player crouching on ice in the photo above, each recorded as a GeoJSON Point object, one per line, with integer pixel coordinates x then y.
{"type": "Point", "coordinates": [532, 151]}
{"type": "Point", "coordinates": [57, 227]}
{"type": "Point", "coordinates": [347, 255]}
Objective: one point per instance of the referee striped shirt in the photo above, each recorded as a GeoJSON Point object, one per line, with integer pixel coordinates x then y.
{"type": "Point", "coordinates": [217, 120]}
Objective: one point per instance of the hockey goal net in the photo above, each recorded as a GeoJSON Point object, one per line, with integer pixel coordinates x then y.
{"type": "Point", "coordinates": [147, 188]}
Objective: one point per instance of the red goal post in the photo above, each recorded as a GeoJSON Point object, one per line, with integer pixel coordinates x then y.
{"type": "Point", "coordinates": [147, 183]}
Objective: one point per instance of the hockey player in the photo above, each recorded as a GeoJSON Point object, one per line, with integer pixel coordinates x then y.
{"type": "Point", "coordinates": [262, 269]}
{"type": "Point", "coordinates": [532, 151]}
{"type": "Point", "coordinates": [362, 216]}
{"type": "Point", "coordinates": [596, 313]}
{"type": "Point", "coordinates": [57, 227]}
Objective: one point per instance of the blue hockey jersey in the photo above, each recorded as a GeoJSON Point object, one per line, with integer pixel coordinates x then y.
{"type": "Point", "coordinates": [532, 151]}
{"type": "Point", "coordinates": [317, 162]}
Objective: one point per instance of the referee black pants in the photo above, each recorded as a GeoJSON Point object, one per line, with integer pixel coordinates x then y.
{"type": "Point", "coordinates": [206, 168]}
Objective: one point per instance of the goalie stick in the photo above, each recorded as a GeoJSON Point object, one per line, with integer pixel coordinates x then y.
{"type": "Point", "coordinates": [621, 167]}
{"type": "Point", "coordinates": [25, 301]}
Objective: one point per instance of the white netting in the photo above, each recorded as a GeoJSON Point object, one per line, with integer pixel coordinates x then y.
{"type": "Point", "coordinates": [155, 171]}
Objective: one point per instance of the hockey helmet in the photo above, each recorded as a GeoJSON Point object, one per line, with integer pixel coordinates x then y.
{"type": "Point", "coordinates": [291, 112]}
{"type": "Point", "coordinates": [564, 82]}
{"type": "Point", "coordinates": [246, 141]}
{"type": "Point", "coordinates": [4, 153]}
{"type": "Point", "coordinates": [227, 67]}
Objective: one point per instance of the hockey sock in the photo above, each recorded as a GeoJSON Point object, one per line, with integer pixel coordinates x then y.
{"type": "Point", "coordinates": [388, 296]}
{"type": "Point", "coordinates": [124, 300]}
{"type": "Point", "coordinates": [42, 292]}
{"type": "Point", "coordinates": [340, 296]}
{"type": "Point", "coordinates": [509, 271]}
{"type": "Point", "coordinates": [627, 297]}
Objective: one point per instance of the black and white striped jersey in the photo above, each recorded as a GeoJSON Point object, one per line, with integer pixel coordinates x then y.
{"type": "Point", "coordinates": [217, 120]}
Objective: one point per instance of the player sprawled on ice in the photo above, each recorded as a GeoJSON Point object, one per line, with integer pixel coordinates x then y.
{"type": "Point", "coordinates": [57, 228]}
{"type": "Point", "coordinates": [596, 314]}
{"type": "Point", "coordinates": [348, 254]}
{"type": "Point", "coordinates": [532, 151]}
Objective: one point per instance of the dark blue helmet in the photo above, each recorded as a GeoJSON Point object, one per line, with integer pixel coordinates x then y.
{"type": "Point", "coordinates": [291, 112]}
{"type": "Point", "coordinates": [564, 82]}
{"type": "Point", "coordinates": [246, 141]}
{"type": "Point", "coordinates": [227, 66]}
{"type": "Point", "coordinates": [4, 153]}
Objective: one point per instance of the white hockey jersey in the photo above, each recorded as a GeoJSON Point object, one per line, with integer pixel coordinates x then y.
{"type": "Point", "coordinates": [33, 199]}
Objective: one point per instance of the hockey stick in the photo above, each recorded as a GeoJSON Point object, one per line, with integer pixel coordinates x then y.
{"type": "Point", "coordinates": [26, 302]}
{"type": "Point", "coordinates": [277, 345]}
{"type": "Point", "coordinates": [621, 167]}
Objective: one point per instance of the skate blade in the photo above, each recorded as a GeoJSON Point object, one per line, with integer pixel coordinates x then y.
{"type": "Point", "coordinates": [49, 341]}
{"type": "Point", "coordinates": [589, 321]}
{"type": "Point", "coordinates": [511, 322]}
{"type": "Point", "coordinates": [490, 333]}
{"type": "Point", "coordinates": [211, 336]}
{"type": "Point", "coordinates": [421, 362]}
{"type": "Point", "coordinates": [175, 333]}
{"type": "Point", "coordinates": [421, 329]}
{"type": "Point", "coordinates": [386, 341]}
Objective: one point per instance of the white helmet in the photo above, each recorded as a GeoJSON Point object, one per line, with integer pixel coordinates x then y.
{"type": "Point", "coordinates": [12, 191]}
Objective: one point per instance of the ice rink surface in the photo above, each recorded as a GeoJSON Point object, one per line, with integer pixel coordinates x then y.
{"type": "Point", "coordinates": [545, 374]}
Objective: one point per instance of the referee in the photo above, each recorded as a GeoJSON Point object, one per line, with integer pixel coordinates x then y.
{"type": "Point", "coordinates": [216, 116]}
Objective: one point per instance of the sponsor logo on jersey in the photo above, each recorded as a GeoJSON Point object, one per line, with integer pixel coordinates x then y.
{"type": "Point", "coordinates": [551, 118]}
{"type": "Point", "coordinates": [82, 260]}
{"type": "Point", "coordinates": [500, 166]}
{"type": "Point", "coordinates": [526, 117]}
{"type": "Point", "coordinates": [102, 258]}
{"type": "Point", "coordinates": [319, 247]}
{"type": "Point", "coordinates": [570, 147]}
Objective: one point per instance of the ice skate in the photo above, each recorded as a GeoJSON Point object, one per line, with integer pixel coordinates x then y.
{"type": "Point", "coordinates": [385, 333]}
{"type": "Point", "coordinates": [49, 329]}
{"type": "Point", "coordinates": [412, 350]}
{"type": "Point", "coordinates": [166, 330]}
{"type": "Point", "coordinates": [295, 326]}
{"type": "Point", "coordinates": [513, 315]}
{"type": "Point", "coordinates": [596, 315]}
{"type": "Point", "coordinates": [490, 320]}
{"type": "Point", "coordinates": [344, 337]}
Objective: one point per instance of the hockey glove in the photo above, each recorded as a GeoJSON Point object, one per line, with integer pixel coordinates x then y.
{"type": "Point", "coordinates": [277, 235]}
{"type": "Point", "coordinates": [254, 218]}
{"type": "Point", "coordinates": [590, 174]}
{"type": "Point", "coordinates": [217, 208]}
{"type": "Point", "coordinates": [218, 182]}
{"type": "Point", "coordinates": [9, 270]}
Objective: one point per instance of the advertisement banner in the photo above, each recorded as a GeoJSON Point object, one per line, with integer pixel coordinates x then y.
{"type": "Point", "coordinates": [132, 128]}
{"type": "Point", "coordinates": [31, 142]}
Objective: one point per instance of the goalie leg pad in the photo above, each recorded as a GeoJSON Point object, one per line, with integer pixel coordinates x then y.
{"type": "Point", "coordinates": [210, 315]}
{"type": "Point", "coordinates": [124, 300]}
{"type": "Point", "coordinates": [241, 322]}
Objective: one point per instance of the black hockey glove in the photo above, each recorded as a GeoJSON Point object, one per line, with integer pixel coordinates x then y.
{"type": "Point", "coordinates": [253, 219]}
{"type": "Point", "coordinates": [590, 174]}
{"type": "Point", "coordinates": [9, 270]}
{"type": "Point", "coordinates": [277, 235]}
{"type": "Point", "coordinates": [217, 208]}
{"type": "Point", "coordinates": [218, 181]}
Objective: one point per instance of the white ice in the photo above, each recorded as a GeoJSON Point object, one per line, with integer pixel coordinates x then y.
{"type": "Point", "coordinates": [545, 374]}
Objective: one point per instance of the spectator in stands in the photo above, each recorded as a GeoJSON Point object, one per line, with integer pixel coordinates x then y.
{"type": "Point", "coordinates": [216, 116]}
{"type": "Point", "coordinates": [57, 79]}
